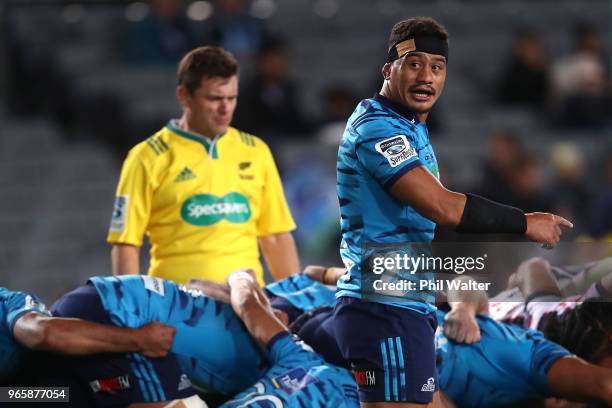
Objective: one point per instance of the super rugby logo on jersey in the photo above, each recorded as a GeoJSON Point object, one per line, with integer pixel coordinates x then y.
{"type": "Point", "coordinates": [293, 380]}
{"type": "Point", "coordinates": [396, 150]}
{"type": "Point", "coordinates": [208, 209]}
{"type": "Point", "coordinates": [119, 213]}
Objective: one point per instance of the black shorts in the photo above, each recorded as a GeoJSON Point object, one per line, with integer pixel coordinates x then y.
{"type": "Point", "coordinates": [116, 380]}
{"type": "Point", "coordinates": [390, 350]}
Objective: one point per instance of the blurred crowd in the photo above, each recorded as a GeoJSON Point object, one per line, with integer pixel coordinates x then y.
{"type": "Point", "coordinates": [568, 92]}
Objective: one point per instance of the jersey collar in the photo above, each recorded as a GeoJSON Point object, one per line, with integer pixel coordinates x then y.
{"type": "Point", "coordinates": [209, 146]}
{"type": "Point", "coordinates": [394, 106]}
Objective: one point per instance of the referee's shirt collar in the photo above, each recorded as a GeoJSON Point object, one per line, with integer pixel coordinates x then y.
{"type": "Point", "coordinates": [396, 107]}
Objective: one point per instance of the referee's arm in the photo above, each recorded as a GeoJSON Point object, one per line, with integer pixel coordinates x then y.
{"type": "Point", "coordinates": [472, 213]}
{"type": "Point", "coordinates": [125, 259]}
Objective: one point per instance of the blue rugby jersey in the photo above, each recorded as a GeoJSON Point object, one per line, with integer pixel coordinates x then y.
{"type": "Point", "coordinates": [211, 343]}
{"type": "Point", "coordinates": [382, 142]}
{"type": "Point", "coordinates": [298, 378]}
{"type": "Point", "coordinates": [302, 292]}
{"type": "Point", "coordinates": [508, 365]}
{"type": "Point", "coordinates": [13, 305]}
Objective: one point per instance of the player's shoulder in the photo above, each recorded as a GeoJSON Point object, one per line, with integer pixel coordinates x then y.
{"type": "Point", "coordinates": [247, 140]}
{"type": "Point", "coordinates": [153, 147]}
{"type": "Point", "coordinates": [374, 119]}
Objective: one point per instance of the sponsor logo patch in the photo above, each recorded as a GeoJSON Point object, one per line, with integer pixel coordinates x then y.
{"type": "Point", "coordinates": [111, 385]}
{"type": "Point", "coordinates": [207, 209]}
{"type": "Point", "coordinates": [154, 284]}
{"type": "Point", "coordinates": [396, 150]}
{"type": "Point", "coordinates": [430, 386]}
{"type": "Point", "coordinates": [119, 213]}
{"type": "Point", "coordinates": [293, 380]}
{"type": "Point", "coordinates": [365, 378]}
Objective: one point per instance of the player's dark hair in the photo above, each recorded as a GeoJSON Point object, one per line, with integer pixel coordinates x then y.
{"type": "Point", "coordinates": [584, 330]}
{"type": "Point", "coordinates": [417, 26]}
{"type": "Point", "coordinates": [205, 62]}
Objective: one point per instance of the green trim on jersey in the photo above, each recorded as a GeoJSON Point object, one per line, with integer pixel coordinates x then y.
{"type": "Point", "coordinates": [198, 138]}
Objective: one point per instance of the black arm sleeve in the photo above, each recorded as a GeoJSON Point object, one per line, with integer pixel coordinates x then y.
{"type": "Point", "coordinates": [486, 216]}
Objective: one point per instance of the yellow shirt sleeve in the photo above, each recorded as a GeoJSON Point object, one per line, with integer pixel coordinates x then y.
{"type": "Point", "coordinates": [275, 216]}
{"type": "Point", "coordinates": [132, 201]}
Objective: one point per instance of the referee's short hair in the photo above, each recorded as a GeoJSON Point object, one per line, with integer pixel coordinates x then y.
{"type": "Point", "coordinates": [205, 62]}
{"type": "Point", "coordinates": [417, 26]}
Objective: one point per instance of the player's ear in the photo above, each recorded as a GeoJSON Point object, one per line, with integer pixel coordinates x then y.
{"type": "Point", "coordinates": [182, 94]}
{"type": "Point", "coordinates": [386, 71]}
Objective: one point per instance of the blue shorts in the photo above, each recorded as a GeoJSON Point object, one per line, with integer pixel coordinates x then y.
{"type": "Point", "coordinates": [117, 380]}
{"type": "Point", "coordinates": [390, 350]}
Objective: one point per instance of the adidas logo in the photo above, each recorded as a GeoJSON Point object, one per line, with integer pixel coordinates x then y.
{"type": "Point", "coordinates": [184, 175]}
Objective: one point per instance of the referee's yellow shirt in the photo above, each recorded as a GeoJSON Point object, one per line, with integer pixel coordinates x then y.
{"type": "Point", "coordinates": [203, 204]}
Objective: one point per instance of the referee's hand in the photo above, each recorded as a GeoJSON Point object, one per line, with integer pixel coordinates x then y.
{"type": "Point", "coordinates": [545, 228]}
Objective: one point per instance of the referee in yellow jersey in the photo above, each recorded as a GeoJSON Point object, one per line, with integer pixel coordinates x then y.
{"type": "Point", "coordinates": [206, 194]}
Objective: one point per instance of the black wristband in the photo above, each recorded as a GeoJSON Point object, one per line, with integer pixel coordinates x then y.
{"type": "Point", "coordinates": [486, 216]}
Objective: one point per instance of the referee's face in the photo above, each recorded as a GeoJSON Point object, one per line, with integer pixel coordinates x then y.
{"type": "Point", "coordinates": [415, 80]}
{"type": "Point", "coordinates": [209, 110]}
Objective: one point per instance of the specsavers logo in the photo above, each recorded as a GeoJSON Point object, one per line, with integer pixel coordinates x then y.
{"type": "Point", "coordinates": [208, 209]}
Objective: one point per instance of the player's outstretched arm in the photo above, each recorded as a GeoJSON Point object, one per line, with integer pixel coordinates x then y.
{"type": "Point", "coordinates": [280, 253]}
{"type": "Point", "coordinates": [325, 275]}
{"type": "Point", "coordinates": [575, 379]}
{"type": "Point", "coordinates": [252, 306]}
{"type": "Point", "coordinates": [80, 337]}
{"type": "Point", "coordinates": [470, 212]}
{"type": "Point", "coordinates": [460, 323]}
{"type": "Point", "coordinates": [215, 290]}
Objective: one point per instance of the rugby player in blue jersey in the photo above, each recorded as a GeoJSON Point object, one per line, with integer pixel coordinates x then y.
{"type": "Point", "coordinates": [389, 194]}
{"type": "Point", "coordinates": [298, 377]}
{"type": "Point", "coordinates": [26, 326]}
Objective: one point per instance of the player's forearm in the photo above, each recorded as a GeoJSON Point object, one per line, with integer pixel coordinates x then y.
{"type": "Point", "coordinates": [125, 259]}
{"type": "Point", "coordinates": [473, 301]}
{"type": "Point", "coordinates": [252, 307]}
{"type": "Point", "coordinates": [535, 276]}
{"type": "Point", "coordinates": [574, 378]}
{"type": "Point", "coordinates": [281, 255]}
{"type": "Point", "coordinates": [73, 336]}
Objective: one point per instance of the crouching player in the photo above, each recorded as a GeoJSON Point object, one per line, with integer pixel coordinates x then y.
{"type": "Point", "coordinates": [26, 326]}
{"type": "Point", "coordinates": [210, 348]}
{"type": "Point", "coordinates": [298, 376]}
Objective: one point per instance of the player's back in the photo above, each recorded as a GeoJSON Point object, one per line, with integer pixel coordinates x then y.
{"type": "Point", "coordinates": [211, 343]}
{"type": "Point", "coordinates": [508, 365]}
{"type": "Point", "coordinates": [299, 378]}
{"type": "Point", "coordinates": [12, 306]}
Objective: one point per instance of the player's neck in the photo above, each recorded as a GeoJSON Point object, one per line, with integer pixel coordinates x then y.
{"type": "Point", "coordinates": [186, 125]}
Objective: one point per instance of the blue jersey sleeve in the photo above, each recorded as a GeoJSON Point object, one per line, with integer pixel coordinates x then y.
{"type": "Point", "coordinates": [20, 303]}
{"type": "Point", "coordinates": [387, 152]}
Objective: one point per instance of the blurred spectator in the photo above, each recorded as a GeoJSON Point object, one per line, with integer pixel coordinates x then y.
{"type": "Point", "coordinates": [505, 151]}
{"type": "Point", "coordinates": [268, 103]}
{"type": "Point", "coordinates": [163, 36]}
{"type": "Point", "coordinates": [581, 89]}
{"type": "Point", "coordinates": [526, 79]}
{"type": "Point", "coordinates": [339, 101]}
{"type": "Point", "coordinates": [571, 191]}
{"type": "Point", "coordinates": [235, 30]}
{"type": "Point", "coordinates": [601, 209]}
{"type": "Point", "coordinates": [527, 187]}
